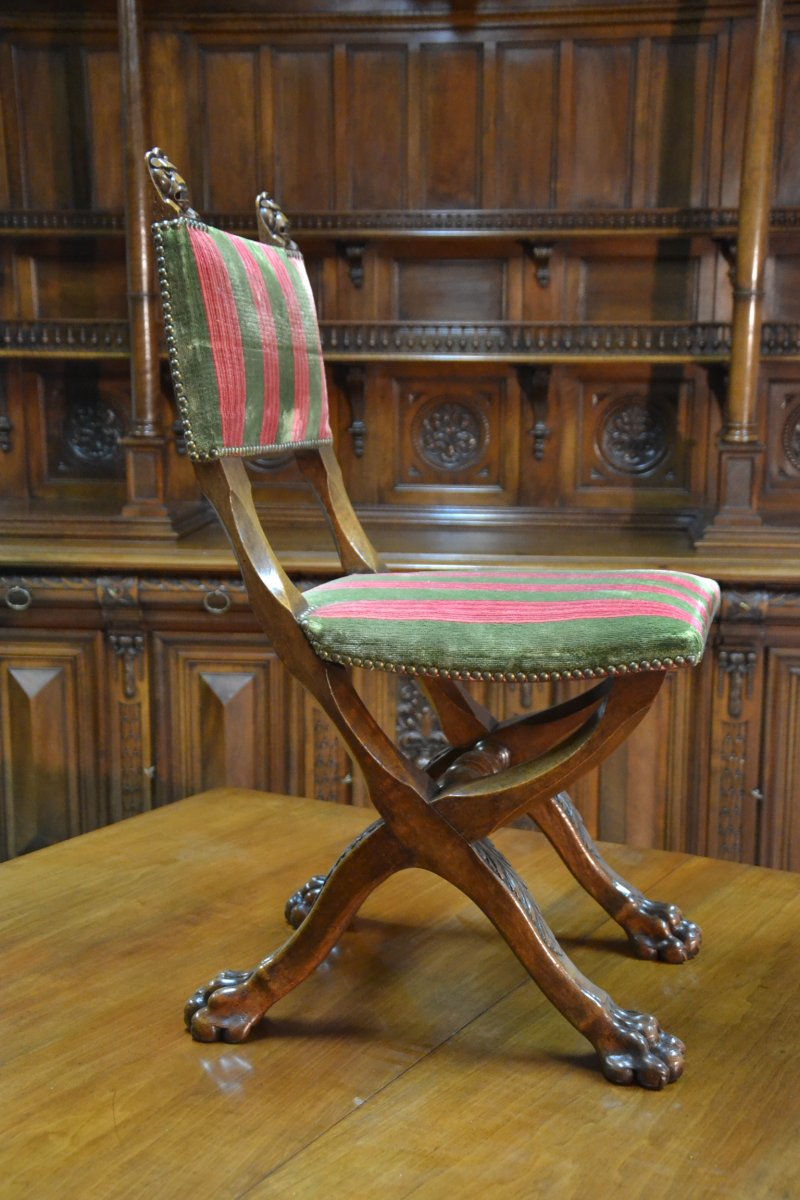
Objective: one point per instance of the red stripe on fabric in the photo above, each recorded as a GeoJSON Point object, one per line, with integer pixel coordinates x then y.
{"type": "Point", "coordinates": [269, 341]}
{"type": "Point", "coordinates": [227, 351]}
{"type": "Point", "coordinates": [504, 611]}
{"type": "Point", "coordinates": [598, 578]}
{"type": "Point", "coordinates": [372, 584]}
{"type": "Point", "coordinates": [299, 347]}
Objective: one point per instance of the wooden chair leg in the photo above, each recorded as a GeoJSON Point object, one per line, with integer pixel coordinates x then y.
{"type": "Point", "coordinates": [631, 1045]}
{"type": "Point", "coordinates": [227, 1008]}
{"type": "Point", "coordinates": [656, 929]}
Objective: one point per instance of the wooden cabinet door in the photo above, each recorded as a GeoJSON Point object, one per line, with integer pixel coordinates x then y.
{"type": "Point", "coordinates": [50, 782]}
{"type": "Point", "coordinates": [220, 710]}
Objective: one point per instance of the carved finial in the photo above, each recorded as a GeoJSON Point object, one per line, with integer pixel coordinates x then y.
{"type": "Point", "coordinates": [169, 183]}
{"type": "Point", "coordinates": [273, 225]}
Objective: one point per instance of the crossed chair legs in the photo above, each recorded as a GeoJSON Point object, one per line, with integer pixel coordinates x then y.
{"type": "Point", "coordinates": [480, 790]}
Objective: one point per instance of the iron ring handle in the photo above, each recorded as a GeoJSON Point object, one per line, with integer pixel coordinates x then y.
{"type": "Point", "coordinates": [216, 602]}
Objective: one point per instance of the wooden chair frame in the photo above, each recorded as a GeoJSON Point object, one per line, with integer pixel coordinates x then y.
{"type": "Point", "coordinates": [440, 818]}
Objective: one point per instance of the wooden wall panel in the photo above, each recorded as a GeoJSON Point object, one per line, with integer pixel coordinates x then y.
{"type": "Point", "coordinates": [439, 289]}
{"type": "Point", "coordinates": [104, 104]}
{"type": "Point", "coordinates": [600, 154]}
{"type": "Point", "coordinates": [787, 181]}
{"type": "Point", "coordinates": [174, 108]}
{"type": "Point", "coordinates": [229, 79]}
{"type": "Point", "coordinates": [527, 79]}
{"type": "Point", "coordinates": [377, 127]}
{"type": "Point", "coordinates": [678, 126]}
{"type": "Point", "coordinates": [633, 286]}
{"type": "Point", "coordinates": [49, 738]}
{"type": "Point", "coordinates": [54, 150]}
{"type": "Point", "coordinates": [450, 126]}
{"type": "Point", "coordinates": [303, 116]}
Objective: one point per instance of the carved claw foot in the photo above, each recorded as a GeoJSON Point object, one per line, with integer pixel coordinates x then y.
{"type": "Point", "coordinates": [659, 930]}
{"type": "Point", "coordinates": [299, 905]}
{"type": "Point", "coordinates": [633, 1048]}
{"type": "Point", "coordinates": [226, 1009]}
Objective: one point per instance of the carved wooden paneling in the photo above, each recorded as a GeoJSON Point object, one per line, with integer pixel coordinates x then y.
{"type": "Point", "coordinates": [783, 440]}
{"type": "Point", "coordinates": [787, 180]}
{"type": "Point", "coordinates": [303, 174]}
{"type": "Point", "coordinates": [230, 87]}
{"type": "Point", "coordinates": [376, 165]}
{"type": "Point", "coordinates": [781, 761]}
{"type": "Point", "coordinates": [603, 116]}
{"type": "Point", "coordinates": [451, 441]}
{"type": "Point", "coordinates": [620, 285]}
{"type": "Point", "coordinates": [634, 441]}
{"type": "Point", "coordinates": [51, 701]}
{"type": "Point", "coordinates": [784, 293]}
{"type": "Point", "coordinates": [679, 80]}
{"type": "Point", "coordinates": [438, 289]}
{"type": "Point", "coordinates": [527, 75]}
{"type": "Point", "coordinates": [220, 715]}
{"type": "Point", "coordinates": [448, 126]}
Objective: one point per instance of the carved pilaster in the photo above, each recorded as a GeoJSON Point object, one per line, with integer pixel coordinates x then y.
{"type": "Point", "coordinates": [353, 255]}
{"type": "Point", "coordinates": [352, 380]}
{"type": "Point", "coordinates": [540, 254]}
{"type": "Point", "coordinates": [534, 384]}
{"type": "Point", "coordinates": [419, 734]}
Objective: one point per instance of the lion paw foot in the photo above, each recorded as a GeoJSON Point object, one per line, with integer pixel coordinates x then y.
{"type": "Point", "coordinates": [661, 931]}
{"type": "Point", "coordinates": [635, 1049]}
{"type": "Point", "coordinates": [226, 1009]}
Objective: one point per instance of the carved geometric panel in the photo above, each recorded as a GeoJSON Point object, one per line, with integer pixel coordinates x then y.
{"type": "Point", "coordinates": [48, 740]}
{"type": "Point", "coordinates": [449, 441]}
{"type": "Point", "coordinates": [219, 715]}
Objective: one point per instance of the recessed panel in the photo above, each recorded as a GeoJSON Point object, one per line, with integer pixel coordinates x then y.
{"type": "Point", "coordinates": [450, 290]}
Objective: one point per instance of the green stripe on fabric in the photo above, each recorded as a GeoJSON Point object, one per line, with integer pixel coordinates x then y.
{"type": "Point", "coordinates": [250, 331]}
{"type": "Point", "coordinates": [192, 338]}
{"type": "Point", "coordinates": [302, 290]}
{"type": "Point", "coordinates": [591, 644]}
{"type": "Point", "coordinates": [283, 333]}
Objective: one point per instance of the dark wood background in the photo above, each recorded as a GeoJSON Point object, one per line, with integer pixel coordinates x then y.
{"type": "Point", "coordinates": [519, 222]}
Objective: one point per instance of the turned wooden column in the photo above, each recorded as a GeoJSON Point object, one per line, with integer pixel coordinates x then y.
{"type": "Point", "coordinates": [144, 445]}
{"type": "Point", "coordinates": [741, 454]}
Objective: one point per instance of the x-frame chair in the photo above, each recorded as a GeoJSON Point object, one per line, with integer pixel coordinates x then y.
{"type": "Point", "coordinates": [440, 817]}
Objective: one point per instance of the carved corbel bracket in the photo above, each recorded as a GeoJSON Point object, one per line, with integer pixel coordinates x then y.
{"type": "Point", "coordinates": [739, 666]}
{"type": "Point", "coordinates": [727, 248]}
{"type": "Point", "coordinates": [534, 384]}
{"type": "Point", "coordinates": [353, 254]}
{"type": "Point", "coordinates": [540, 254]}
{"type": "Point", "coordinates": [352, 380]}
{"type": "Point", "coordinates": [128, 647]}
{"type": "Point", "coordinates": [6, 426]}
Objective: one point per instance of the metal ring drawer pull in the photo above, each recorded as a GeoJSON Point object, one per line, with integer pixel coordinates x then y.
{"type": "Point", "coordinates": [18, 597]}
{"type": "Point", "coordinates": [217, 602]}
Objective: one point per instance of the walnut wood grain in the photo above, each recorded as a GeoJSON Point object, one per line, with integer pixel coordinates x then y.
{"type": "Point", "coordinates": [419, 1021]}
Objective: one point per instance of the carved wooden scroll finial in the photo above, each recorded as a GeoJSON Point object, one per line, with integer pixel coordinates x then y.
{"type": "Point", "coordinates": [273, 224]}
{"type": "Point", "coordinates": [169, 183]}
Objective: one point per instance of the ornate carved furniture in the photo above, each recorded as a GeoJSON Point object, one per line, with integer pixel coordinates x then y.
{"type": "Point", "coordinates": [249, 380]}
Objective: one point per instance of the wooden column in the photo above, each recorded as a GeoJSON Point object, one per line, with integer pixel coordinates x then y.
{"type": "Point", "coordinates": [741, 454]}
{"type": "Point", "coordinates": [144, 445]}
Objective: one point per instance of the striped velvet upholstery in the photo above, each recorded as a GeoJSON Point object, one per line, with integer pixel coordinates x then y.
{"type": "Point", "coordinates": [513, 624]}
{"type": "Point", "coordinates": [243, 340]}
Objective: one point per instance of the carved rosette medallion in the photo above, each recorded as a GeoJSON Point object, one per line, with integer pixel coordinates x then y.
{"type": "Point", "coordinates": [634, 434]}
{"type": "Point", "coordinates": [790, 438]}
{"type": "Point", "coordinates": [450, 435]}
{"type": "Point", "coordinates": [92, 433]}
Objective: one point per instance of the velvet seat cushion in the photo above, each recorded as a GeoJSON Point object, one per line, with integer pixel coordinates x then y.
{"type": "Point", "coordinates": [513, 625]}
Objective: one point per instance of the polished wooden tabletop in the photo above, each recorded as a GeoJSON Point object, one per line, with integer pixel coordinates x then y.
{"type": "Point", "coordinates": [418, 1061]}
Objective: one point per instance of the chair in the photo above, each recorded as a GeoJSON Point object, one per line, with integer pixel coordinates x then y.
{"type": "Point", "coordinates": [249, 380]}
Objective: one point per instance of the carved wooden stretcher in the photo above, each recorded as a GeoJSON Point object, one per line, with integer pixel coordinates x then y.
{"type": "Point", "coordinates": [249, 380]}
